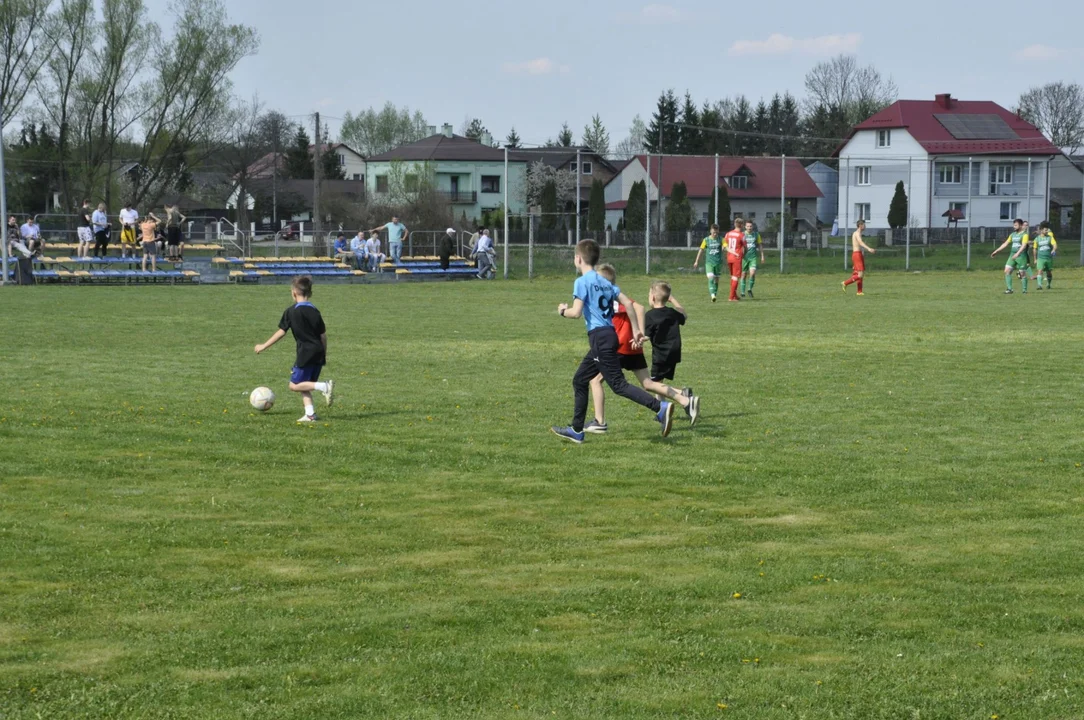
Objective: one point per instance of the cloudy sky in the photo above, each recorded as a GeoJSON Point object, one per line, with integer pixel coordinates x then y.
{"type": "Point", "coordinates": [536, 65]}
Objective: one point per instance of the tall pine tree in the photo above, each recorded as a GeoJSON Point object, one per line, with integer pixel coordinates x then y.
{"type": "Point", "coordinates": [762, 125]}
{"type": "Point", "coordinates": [549, 205]}
{"type": "Point", "coordinates": [690, 137]}
{"type": "Point", "coordinates": [897, 210]}
{"type": "Point", "coordinates": [679, 212]}
{"type": "Point", "coordinates": [513, 140]}
{"type": "Point", "coordinates": [661, 135]}
{"type": "Point", "coordinates": [723, 218]}
{"type": "Point", "coordinates": [596, 210]}
{"type": "Point", "coordinates": [564, 138]}
{"type": "Point", "coordinates": [298, 157]}
{"type": "Point", "coordinates": [636, 209]}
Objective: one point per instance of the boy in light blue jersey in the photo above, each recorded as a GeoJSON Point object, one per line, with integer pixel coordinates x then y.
{"type": "Point", "coordinates": [594, 298]}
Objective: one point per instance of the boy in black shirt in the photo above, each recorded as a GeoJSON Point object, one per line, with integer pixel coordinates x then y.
{"type": "Point", "coordinates": [662, 325]}
{"type": "Point", "coordinates": [307, 325]}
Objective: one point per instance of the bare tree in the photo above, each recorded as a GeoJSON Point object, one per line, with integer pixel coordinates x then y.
{"type": "Point", "coordinates": [71, 32]}
{"type": "Point", "coordinates": [372, 132]}
{"type": "Point", "coordinates": [634, 143]}
{"type": "Point", "coordinates": [276, 131]}
{"type": "Point", "coordinates": [1057, 109]}
{"type": "Point", "coordinates": [246, 144]}
{"type": "Point", "coordinates": [856, 90]}
{"type": "Point", "coordinates": [23, 51]}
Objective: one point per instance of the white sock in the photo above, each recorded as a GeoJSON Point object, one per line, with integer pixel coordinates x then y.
{"type": "Point", "coordinates": [309, 409]}
{"type": "Point", "coordinates": [321, 387]}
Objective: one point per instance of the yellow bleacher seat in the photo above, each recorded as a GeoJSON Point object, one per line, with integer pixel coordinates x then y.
{"type": "Point", "coordinates": [191, 273]}
{"type": "Point", "coordinates": [402, 272]}
{"type": "Point", "coordinates": [82, 273]}
{"type": "Point", "coordinates": [357, 272]}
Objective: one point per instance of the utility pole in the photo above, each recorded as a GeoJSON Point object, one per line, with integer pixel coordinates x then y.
{"type": "Point", "coordinates": [317, 222]}
{"type": "Point", "coordinates": [4, 206]}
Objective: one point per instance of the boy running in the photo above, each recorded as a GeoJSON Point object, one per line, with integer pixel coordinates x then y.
{"type": "Point", "coordinates": [662, 325]}
{"type": "Point", "coordinates": [594, 302]}
{"type": "Point", "coordinates": [753, 248]}
{"type": "Point", "coordinates": [1018, 259]}
{"type": "Point", "coordinates": [631, 355]}
{"type": "Point", "coordinates": [305, 322]}
{"type": "Point", "coordinates": [714, 265]}
{"type": "Point", "coordinates": [858, 261]}
{"type": "Point", "coordinates": [1046, 247]}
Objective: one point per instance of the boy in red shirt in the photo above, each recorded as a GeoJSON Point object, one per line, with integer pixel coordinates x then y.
{"type": "Point", "coordinates": [631, 354]}
{"type": "Point", "coordinates": [735, 252]}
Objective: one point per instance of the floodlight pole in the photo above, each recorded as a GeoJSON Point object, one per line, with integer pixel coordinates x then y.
{"type": "Point", "coordinates": [970, 215]}
{"type": "Point", "coordinates": [647, 226]}
{"type": "Point", "coordinates": [715, 185]}
{"type": "Point", "coordinates": [907, 261]}
{"type": "Point", "coordinates": [579, 174]}
{"type": "Point", "coordinates": [4, 205]}
{"type": "Point", "coordinates": [782, 210]}
{"type": "Point", "coordinates": [506, 211]}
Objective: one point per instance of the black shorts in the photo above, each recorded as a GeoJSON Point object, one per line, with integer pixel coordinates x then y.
{"type": "Point", "coordinates": [632, 363]}
{"type": "Point", "coordinates": [173, 235]}
{"type": "Point", "coordinates": [663, 371]}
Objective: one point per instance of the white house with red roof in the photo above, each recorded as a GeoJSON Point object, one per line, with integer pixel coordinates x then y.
{"type": "Point", "coordinates": [754, 184]}
{"type": "Point", "coordinates": [972, 162]}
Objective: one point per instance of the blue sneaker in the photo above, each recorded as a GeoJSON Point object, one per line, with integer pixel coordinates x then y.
{"type": "Point", "coordinates": [568, 434]}
{"type": "Point", "coordinates": [596, 428]}
{"type": "Point", "coordinates": [666, 417]}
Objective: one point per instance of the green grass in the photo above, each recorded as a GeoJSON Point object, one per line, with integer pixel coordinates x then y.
{"type": "Point", "coordinates": [892, 484]}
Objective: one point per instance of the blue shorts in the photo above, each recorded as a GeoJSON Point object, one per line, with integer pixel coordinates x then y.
{"type": "Point", "coordinates": [309, 373]}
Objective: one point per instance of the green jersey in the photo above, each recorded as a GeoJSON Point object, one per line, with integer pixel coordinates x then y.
{"type": "Point", "coordinates": [714, 246]}
{"type": "Point", "coordinates": [1045, 245]}
{"type": "Point", "coordinates": [1019, 240]}
{"type": "Point", "coordinates": [752, 245]}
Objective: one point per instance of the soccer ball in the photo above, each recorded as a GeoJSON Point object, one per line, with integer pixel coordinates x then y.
{"type": "Point", "coordinates": [262, 398]}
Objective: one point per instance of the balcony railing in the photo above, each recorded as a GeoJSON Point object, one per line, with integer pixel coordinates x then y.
{"type": "Point", "coordinates": [459, 197]}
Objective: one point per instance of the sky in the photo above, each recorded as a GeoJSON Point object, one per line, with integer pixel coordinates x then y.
{"type": "Point", "coordinates": [537, 65]}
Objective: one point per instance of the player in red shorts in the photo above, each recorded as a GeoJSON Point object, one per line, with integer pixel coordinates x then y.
{"type": "Point", "coordinates": [857, 260]}
{"type": "Point", "coordinates": [735, 251]}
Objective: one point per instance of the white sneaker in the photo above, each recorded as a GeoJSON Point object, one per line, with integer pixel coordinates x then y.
{"type": "Point", "coordinates": [307, 419]}
{"type": "Point", "coordinates": [330, 392]}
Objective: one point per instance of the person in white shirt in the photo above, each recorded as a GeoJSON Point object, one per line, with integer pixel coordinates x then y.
{"type": "Point", "coordinates": [361, 254]}
{"type": "Point", "coordinates": [129, 217]}
{"type": "Point", "coordinates": [372, 246]}
{"type": "Point", "coordinates": [485, 257]}
{"type": "Point", "coordinates": [100, 224]}
{"type": "Point", "coordinates": [31, 235]}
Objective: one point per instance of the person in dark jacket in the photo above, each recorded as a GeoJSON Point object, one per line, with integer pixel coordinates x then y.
{"type": "Point", "coordinates": [445, 248]}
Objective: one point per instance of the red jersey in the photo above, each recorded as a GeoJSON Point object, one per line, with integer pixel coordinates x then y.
{"type": "Point", "coordinates": [624, 332]}
{"type": "Point", "coordinates": [735, 245]}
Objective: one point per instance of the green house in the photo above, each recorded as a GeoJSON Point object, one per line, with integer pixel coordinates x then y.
{"type": "Point", "coordinates": [470, 174]}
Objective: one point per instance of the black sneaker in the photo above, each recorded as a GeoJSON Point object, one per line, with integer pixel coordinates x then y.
{"type": "Point", "coordinates": [1008, 292]}
{"type": "Point", "coordinates": [687, 392]}
{"type": "Point", "coordinates": [750, 292]}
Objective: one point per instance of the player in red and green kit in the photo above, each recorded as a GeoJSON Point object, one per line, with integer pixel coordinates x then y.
{"type": "Point", "coordinates": [1046, 247]}
{"type": "Point", "coordinates": [714, 262]}
{"type": "Point", "coordinates": [1018, 255]}
{"type": "Point", "coordinates": [753, 250]}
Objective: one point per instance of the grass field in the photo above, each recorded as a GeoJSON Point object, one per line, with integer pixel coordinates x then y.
{"type": "Point", "coordinates": [879, 515]}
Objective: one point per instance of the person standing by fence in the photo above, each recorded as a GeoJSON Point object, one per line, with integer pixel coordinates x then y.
{"type": "Point", "coordinates": [100, 225]}
{"type": "Point", "coordinates": [84, 233]}
{"type": "Point", "coordinates": [444, 249]}
{"type": "Point", "coordinates": [397, 233]}
{"type": "Point", "coordinates": [174, 238]}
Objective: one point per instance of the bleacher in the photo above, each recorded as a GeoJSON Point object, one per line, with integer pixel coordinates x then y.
{"type": "Point", "coordinates": [424, 267]}
{"type": "Point", "coordinates": [189, 247]}
{"type": "Point", "coordinates": [110, 270]}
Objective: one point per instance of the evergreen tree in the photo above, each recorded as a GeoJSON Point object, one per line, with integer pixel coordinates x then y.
{"type": "Point", "coordinates": [897, 211]}
{"type": "Point", "coordinates": [741, 120]}
{"type": "Point", "coordinates": [679, 212]}
{"type": "Point", "coordinates": [298, 157]}
{"type": "Point", "coordinates": [723, 218]}
{"type": "Point", "coordinates": [513, 140]}
{"type": "Point", "coordinates": [564, 138]}
{"type": "Point", "coordinates": [549, 205]}
{"type": "Point", "coordinates": [596, 137]}
{"type": "Point", "coordinates": [596, 212]}
{"type": "Point", "coordinates": [660, 128]}
{"type": "Point", "coordinates": [636, 209]}
{"type": "Point", "coordinates": [711, 143]}
{"type": "Point", "coordinates": [690, 137]}
{"type": "Point", "coordinates": [474, 130]}
{"type": "Point", "coordinates": [790, 125]}
{"type": "Point", "coordinates": [761, 124]}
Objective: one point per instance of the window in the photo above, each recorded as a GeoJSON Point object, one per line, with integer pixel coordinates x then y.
{"type": "Point", "coordinates": [950, 174]}
{"type": "Point", "coordinates": [738, 182]}
{"type": "Point", "coordinates": [1010, 210]}
{"type": "Point", "coordinates": [357, 176]}
{"type": "Point", "coordinates": [863, 174]}
{"type": "Point", "coordinates": [884, 138]}
{"type": "Point", "coordinates": [342, 159]}
{"type": "Point", "coordinates": [572, 168]}
{"type": "Point", "coordinates": [1001, 174]}
{"type": "Point", "coordinates": [769, 216]}
{"type": "Point", "coordinates": [491, 183]}
{"type": "Point", "coordinates": [382, 184]}
{"type": "Point", "coordinates": [961, 207]}
{"type": "Point", "coordinates": [410, 182]}
{"type": "Point", "coordinates": [587, 169]}
{"type": "Point", "coordinates": [751, 216]}
{"type": "Point", "coordinates": [861, 211]}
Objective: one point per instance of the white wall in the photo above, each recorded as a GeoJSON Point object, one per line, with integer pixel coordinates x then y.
{"type": "Point", "coordinates": [354, 164]}
{"type": "Point", "coordinates": [906, 157]}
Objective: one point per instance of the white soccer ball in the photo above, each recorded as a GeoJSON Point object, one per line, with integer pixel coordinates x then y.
{"type": "Point", "coordinates": [262, 398]}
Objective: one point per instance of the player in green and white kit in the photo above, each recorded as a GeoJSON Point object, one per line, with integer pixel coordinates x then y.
{"type": "Point", "coordinates": [1046, 247]}
{"type": "Point", "coordinates": [1018, 257]}
{"type": "Point", "coordinates": [753, 250]}
{"type": "Point", "coordinates": [714, 262]}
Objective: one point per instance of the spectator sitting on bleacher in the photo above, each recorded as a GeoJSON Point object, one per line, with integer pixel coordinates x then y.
{"type": "Point", "coordinates": [24, 259]}
{"type": "Point", "coordinates": [31, 235]}
{"type": "Point", "coordinates": [101, 231]}
{"type": "Point", "coordinates": [341, 248]}
{"type": "Point", "coordinates": [361, 255]}
{"type": "Point", "coordinates": [13, 229]}
{"type": "Point", "coordinates": [372, 247]}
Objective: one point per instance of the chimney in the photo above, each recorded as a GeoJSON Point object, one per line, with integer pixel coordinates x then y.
{"type": "Point", "coordinates": [432, 130]}
{"type": "Point", "coordinates": [486, 139]}
{"type": "Point", "coordinates": [446, 130]}
{"type": "Point", "coordinates": [944, 100]}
